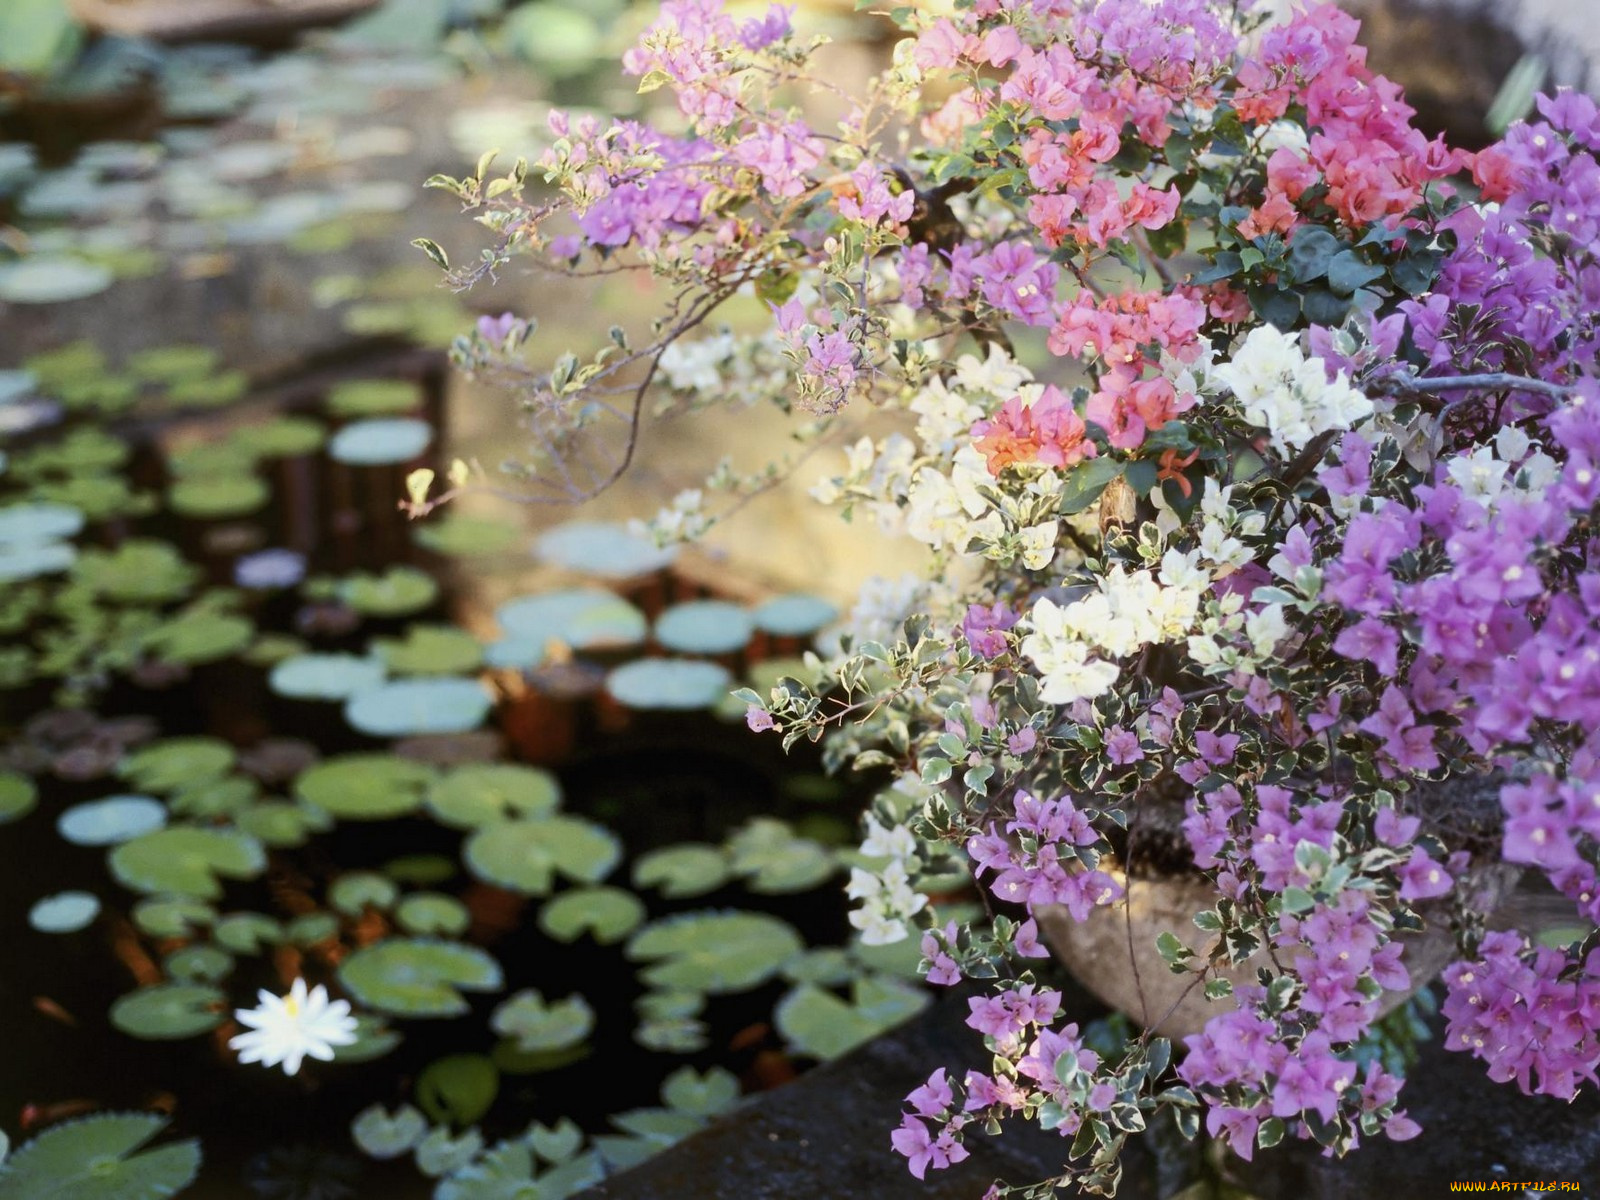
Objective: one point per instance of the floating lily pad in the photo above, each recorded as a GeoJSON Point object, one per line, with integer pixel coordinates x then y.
{"type": "Point", "coordinates": [111, 821]}
{"type": "Point", "coordinates": [714, 951]}
{"type": "Point", "coordinates": [246, 932]}
{"type": "Point", "coordinates": [441, 1154]}
{"type": "Point", "coordinates": [537, 1025]}
{"type": "Point", "coordinates": [458, 1089]}
{"type": "Point", "coordinates": [18, 795]}
{"type": "Point", "coordinates": [215, 391]}
{"type": "Point", "coordinates": [365, 787]}
{"type": "Point", "coordinates": [374, 397]}
{"type": "Point", "coordinates": [211, 497]}
{"type": "Point", "coordinates": [464, 536]}
{"type": "Point", "coordinates": [374, 1039]}
{"type": "Point", "coordinates": [174, 762]}
{"type": "Point", "coordinates": [408, 707]}
{"type": "Point", "coordinates": [199, 637]}
{"type": "Point", "coordinates": [97, 497]}
{"type": "Point", "coordinates": [325, 676]}
{"type": "Point", "coordinates": [186, 860]}
{"type": "Point", "coordinates": [139, 571]}
{"type": "Point", "coordinates": [211, 460]}
{"type": "Point", "coordinates": [282, 823]}
{"type": "Point", "coordinates": [266, 570]}
{"type": "Point", "coordinates": [285, 437]}
{"type": "Point", "coordinates": [30, 560]}
{"type": "Point", "coordinates": [668, 683]}
{"type": "Point", "coordinates": [430, 650]}
{"type": "Point", "coordinates": [65, 912]}
{"type": "Point", "coordinates": [525, 856]}
{"type": "Point", "coordinates": [773, 860]}
{"type": "Point", "coordinates": [173, 364]}
{"type": "Point", "coordinates": [826, 966]}
{"type": "Point", "coordinates": [701, 1095]}
{"type": "Point", "coordinates": [383, 1135]}
{"type": "Point", "coordinates": [198, 964]}
{"type": "Point", "coordinates": [380, 440]}
{"type": "Point", "coordinates": [795, 615]}
{"type": "Point", "coordinates": [425, 913]}
{"type": "Point", "coordinates": [172, 916]}
{"type": "Point", "coordinates": [704, 627]}
{"type": "Point", "coordinates": [356, 891]}
{"type": "Point", "coordinates": [582, 618]}
{"type": "Point", "coordinates": [398, 592]}
{"type": "Point", "coordinates": [311, 929]}
{"type": "Point", "coordinates": [213, 797]}
{"type": "Point", "coordinates": [168, 1011]}
{"type": "Point", "coordinates": [604, 549]}
{"type": "Point", "coordinates": [33, 524]}
{"type": "Point", "coordinates": [415, 977]}
{"type": "Point", "coordinates": [477, 795]}
{"type": "Point", "coordinates": [43, 279]}
{"type": "Point", "coordinates": [684, 870]}
{"type": "Point", "coordinates": [97, 1158]}
{"type": "Point", "coordinates": [820, 1024]}
{"type": "Point", "coordinates": [608, 914]}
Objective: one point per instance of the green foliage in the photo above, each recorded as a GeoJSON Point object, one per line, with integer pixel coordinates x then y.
{"type": "Point", "coordinates": [418, 977]}
{"type": "Point", "coordinates": [100, 1157]}
{"type": "Point", "coordinates": [458, 1090]}
{"type": "Point", "coordinates": [713, 951]}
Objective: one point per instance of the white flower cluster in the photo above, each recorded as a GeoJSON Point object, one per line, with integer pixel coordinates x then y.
{"type": "Point", "coordinates": [1222, 527]}
{"type": "Point", "coordinates": [1075, 645]}
{"type": "Point", "coordinates": [692, 366]}
{"type": "Point", "coordinates": [1286, 393]}
{"type": "Point", "coordinates": [682, 521]}
{"type": "Point", "coordinates": [1509, 467]}
{"type": "Point", "coordinates": [887, 898]}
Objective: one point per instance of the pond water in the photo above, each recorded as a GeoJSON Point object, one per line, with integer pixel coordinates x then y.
{"type": "Point", "coordinates": [255, 726]}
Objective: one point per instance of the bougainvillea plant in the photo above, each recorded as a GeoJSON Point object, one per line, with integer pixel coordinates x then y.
{"type": "Point", "coordinates": [1289, 522]}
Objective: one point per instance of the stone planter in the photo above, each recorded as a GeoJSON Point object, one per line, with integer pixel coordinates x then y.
{"type": "Point", "coordinates": [1113, 953]}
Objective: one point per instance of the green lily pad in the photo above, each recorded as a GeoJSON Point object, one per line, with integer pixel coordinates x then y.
{"type": "Point", "coordinates": [210, 497]}
{"type": "Point", "coordinates": [139, 571]}
{"type": "Point", "coordinates": [325, 676]}
{"type": "Point", "coordinates": [173, 762]}
{"type": "Point", "coordinates": [680, 871]}
{"type": "Point", "coordinates": [285, 437]}
{"type": "Point", "coordinates": [526, 855]}
{"type": "Point", "coordinates": [210, 460]}
{"type": "Point", "coordinates": [604, 549]}
{"type": "Point", "coordinates": [168, 1011]}
{"type": "Point", "coordinates": [30, 560]}
{"type": "Point", "coordinates": [430, 650]}
{"type": "Point", "coordinates": [383, 1135]}
{"type": "Point", "coordinates": [246, 932]}
{"type": "Point", "coordinates": [714, 951]}
{"type": "Point", "coordinates": [398, 592]}
{"type": "Point", "coordinates": [97, 497]}
{"type": "Point", "coordinates": [172, 916]}
{"type": "Point", "coordinates": [64, 912]}
{"type": "Point", "coordinates": [49, 279]}
{"type": "Point", "coordinates": [424, 870]}
{"type": "Point", "coordinates": [310, 929]}
{"type": "Point", "coordinates": [608, 914]}
{"type": "Point", "coordinates": [425, 913]}
{"type": "Point", "coordinates": [773, 860]}
{"type": "Point", "coordinates": [214, 391]}
{"type": "Point", "coordinates": [701, 1095]}
{"type": "Point", "coordinates": [818, 1023]}
{"type": "Point", "coordinates": [374, 397]}
{"type": "Point", "coordinates": [582, 618]}
{"type": "Point", "coordinates": [795, 615]}
{"type": "Point", "coordinates": [704, 627]}
{"type": "Point", "coordinates": [440, 1154]}
{"type": "Point", "coordinates": [199, 637]}
{"type": "Point", "coordinates": [408, 707]}
{"type": "Point", "coordinates": [555, 1144]}
{"type": "Point", "coordinates": [213, 797]}
{"type": "Point", "coordinates": [463, 536]}
{"type": "Point", "coordinates": [187, 861]}
{"type": "Point", "coordinates": [458, 1089]}
{"type": "Point", "coordinates": [111, 821]}
{"type": "Point", "coordinates": [477, 795]}
{"type": "Point", "coordinates": [374, 1039]}
{"type": "Point", "coordinates": [365, 787]}
{"type": "Point", "coordinates": [18, 796]}
{"type": "Point", "coordinates": [34, 524]}
{"type": "Point", "coordinates": [537, 1025]}
{"type": "Point", "coordinates": [355, 891]}
{"type": "Point", "coordinates": [282, 823]}
{"type": "Point", "coordinates": [416, 977]}
{"type": "Point", "coordinates": [668, 683]}
{"type": "Point", "coordinates": [173, 364]}
{"type": "Point", "coordinates": [97, 1158]}
{"type": "Point", "coordinates": [825, 966]}
{"type": "Point", "coordinates": [377, 441]}
{"type": "Point", "coordinates": [198, 964]}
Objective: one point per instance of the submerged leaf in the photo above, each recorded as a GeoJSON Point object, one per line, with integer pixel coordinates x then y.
{"type": "Point", "coordinates": [458, 1089]}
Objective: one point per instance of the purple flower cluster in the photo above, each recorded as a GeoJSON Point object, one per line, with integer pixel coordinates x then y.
{"type": "Point", "coordinates": [1036, 860]}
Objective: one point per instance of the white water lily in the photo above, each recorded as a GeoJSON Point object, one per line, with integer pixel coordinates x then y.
{"type": "Point", "coordinates": [286, 1029]}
